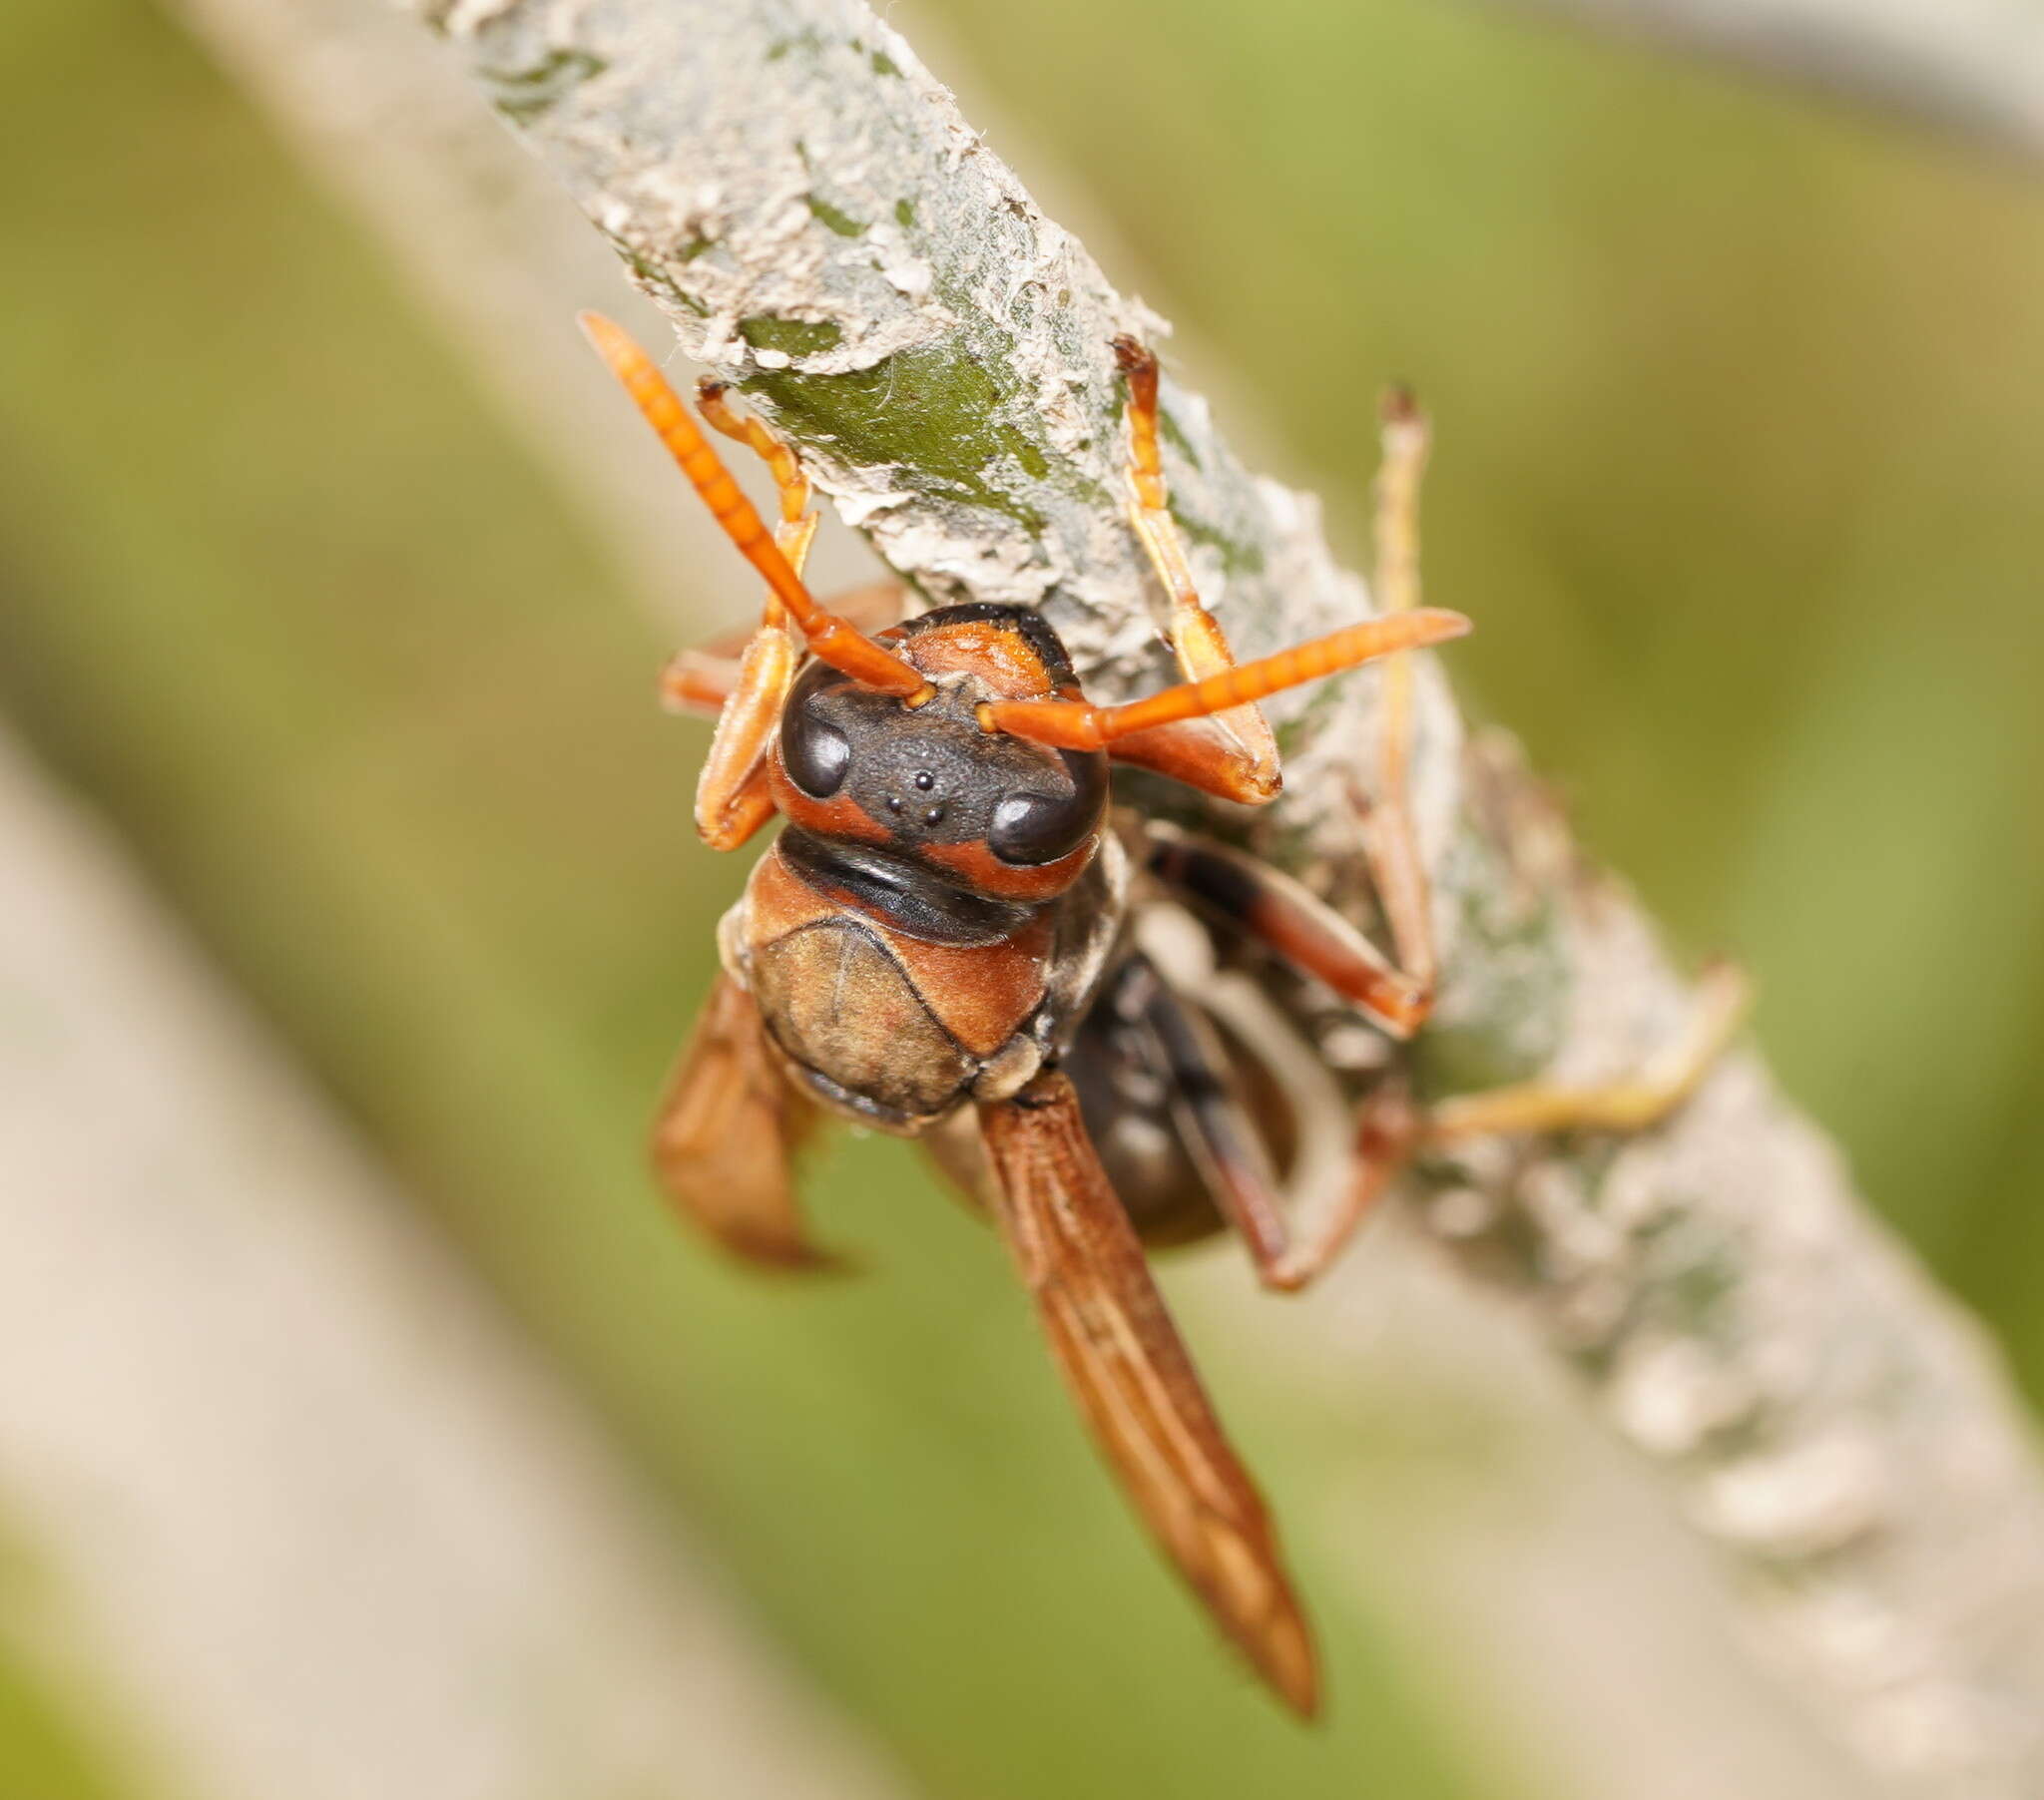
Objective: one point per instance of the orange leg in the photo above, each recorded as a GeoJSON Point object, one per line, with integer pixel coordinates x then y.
{"type": "Point", "coordinates": [1389, 1130]}
{"type": "Point", "coordinates": [1270, 906]}
{"type": "Point", "coordinates": [1206, 731]}
{"type": "Point", "coordinates": [1632, 1104]}
{"type": "Point", "coordinates": [728, 790]}
{"type": "Point", "coordinates": [1386, 1131]}
{"type": "Point", "coordinates": [1308, 934]}
{"type": "Point", "coordinates": [1397, 869]}
{"type": "Point", "coordinates": [730, 793]}
{"type": "Point", "coordinates": [1228, 1148]}
{"type": "Point", "coordinates": [702, 679]}
{"type": "Point", "coordinates": [1250, 750]}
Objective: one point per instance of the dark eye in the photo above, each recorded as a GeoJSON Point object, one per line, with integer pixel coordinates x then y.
{"type": "Point", "coordinates": [1030, 828]}
{"type": "Point", "coordinates": [812, 751]}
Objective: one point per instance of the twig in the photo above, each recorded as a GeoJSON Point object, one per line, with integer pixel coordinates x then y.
{"type": "Point", "coordinates": [1974, 65]}
{"type": "Point", "coordinates": [803, 200]}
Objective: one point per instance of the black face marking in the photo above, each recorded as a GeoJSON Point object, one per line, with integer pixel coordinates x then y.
{"type": "Point", "coordinates": [908, 895]}
{"type": "Point", "coordinates": [813, 750]}
{"type": "Point", "coordinates": [932, 776]}
{"type": "Point", "coordinates": [932, 779]}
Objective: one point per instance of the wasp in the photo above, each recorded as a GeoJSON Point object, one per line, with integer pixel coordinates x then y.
{"type": "Point", "coordinates": [955, 938]}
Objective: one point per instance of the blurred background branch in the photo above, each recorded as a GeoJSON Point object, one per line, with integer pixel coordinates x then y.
{"type": "Point", "coordinates": [280, 1487]}
{"type": "Point", "coordinates": [1974, 65]}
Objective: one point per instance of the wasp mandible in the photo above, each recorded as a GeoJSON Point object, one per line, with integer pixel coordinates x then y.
{"type": "Point", "coordinates": [945, 942]}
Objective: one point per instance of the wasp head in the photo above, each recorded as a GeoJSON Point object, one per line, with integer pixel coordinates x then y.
{"type": "Point", "coordinates": [990, 812]}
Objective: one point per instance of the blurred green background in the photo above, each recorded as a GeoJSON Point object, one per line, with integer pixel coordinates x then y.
{"type": "Point", "coordinates": [1739, 467]}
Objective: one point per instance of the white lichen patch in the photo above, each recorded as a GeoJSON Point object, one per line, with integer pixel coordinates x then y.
{"type": "Point", "coordinates": [1670, 1394]}
{"type": "Point", "coordinates": [1812, 1499]}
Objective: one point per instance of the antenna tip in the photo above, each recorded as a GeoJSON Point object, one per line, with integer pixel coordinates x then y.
{"type": "Point", "coordinates": [1438, 624]}
{"type": "Point", "coordinates": [604, 333]}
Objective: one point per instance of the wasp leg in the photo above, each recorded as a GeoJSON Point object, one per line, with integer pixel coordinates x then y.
{"type": "Point", "coordinates": [1387, 1132]}
{"type": "Point", "coordinates": [702, 678]}
{"type": "Point", "coordinates": [1632, 1104]}
{"type": "Point", "coordinates": [1228, 1149]}
{"type": "Point", "coordinates": [726, 1131]}
{"type": "Point", "coordinates": [790, 484]}
{"type": "Point", "coordinates": [1305, 931]}
{"type": "Point", "coordinates": [1124, 1362]}
{"type": "Point", "coordinates": [726, 814]}
{"type": "Point", "coordinates": [731, 801]}
{"type": "Point", "coordinates": [1267, 904]}
{"type": "Point", "coordinates": [1200, 752]}
{"type": "Point", "coordinates": [828, 637]}
{"type": "Point", "coordinates": [1208, 731]}
{"type": "Point", "coordinates": [1209, 1115]}
{"type": "Point", "coordinates": [1391, 842]}
{"type": "Point", "coordinates": [1245, 742]}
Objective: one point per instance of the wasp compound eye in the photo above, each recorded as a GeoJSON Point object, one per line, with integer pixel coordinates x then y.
{"type": "Point", "coordinates": [814, 751]}
{"type": "Point", "coordinates": [1031, 827]}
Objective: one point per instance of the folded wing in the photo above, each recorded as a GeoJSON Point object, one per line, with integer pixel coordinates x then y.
{"type": "Point", "coordinates": [1128, 1369]}
{"type": "Point", "coordinates": [725, 1136]}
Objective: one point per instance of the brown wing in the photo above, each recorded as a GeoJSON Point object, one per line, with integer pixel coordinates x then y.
{"type": "Point", "coordinates": [1125, 1364]}
{"type": "Point", "coordinates": [726, 1131]}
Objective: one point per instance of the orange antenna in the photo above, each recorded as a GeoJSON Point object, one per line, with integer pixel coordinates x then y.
{"type": "Point", "coordinates": [1080, 725]}
{"type": "Point", "coordinates": [830, 639]}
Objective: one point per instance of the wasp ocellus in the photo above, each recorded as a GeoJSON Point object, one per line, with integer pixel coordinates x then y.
{"type": "Point", "coordinates": [957, 937]}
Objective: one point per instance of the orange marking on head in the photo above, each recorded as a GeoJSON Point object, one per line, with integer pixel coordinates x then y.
{"type": "Point", "coordinates": [839, 817]}
{"type": "Point", "coordinates": [998, 653]}
{"type": "Point", "coordinates": [986, 873]}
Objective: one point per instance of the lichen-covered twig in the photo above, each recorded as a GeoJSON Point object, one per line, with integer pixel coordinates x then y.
{"type": "Point", "coordinates": [804, 202]}
{"type": "Point", "coordinates": [1974, 65]}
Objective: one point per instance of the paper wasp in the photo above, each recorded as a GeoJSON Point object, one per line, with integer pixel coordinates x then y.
{"type": "Point", "coordinates": [944, 943]}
